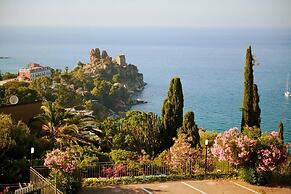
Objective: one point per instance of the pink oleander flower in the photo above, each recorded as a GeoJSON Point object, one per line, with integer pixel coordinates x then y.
{"type": "Point", "coordinates": [274, 134]}
{"type": "Point", "coordinates": [272, 154]}
{"type": "Point", "coordinates": [238, 149]}
{"type": "Point", "coordinates": [233, 146]}
{"type": "Point", "coordinates": [181, 152]}
{"type": "Point", "coordinates": [61, 161]}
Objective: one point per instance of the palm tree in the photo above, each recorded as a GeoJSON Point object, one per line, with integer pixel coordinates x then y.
{"type": "Point", "coordinates": [66, 129]}
{"type": "Point", "coordinates": [85, 128]}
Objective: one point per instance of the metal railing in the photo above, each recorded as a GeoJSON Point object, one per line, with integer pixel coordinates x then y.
{"type": "Point", "coordinates": [28, 189]}
{"type": "Point", "coordinates": [108, 170]}
{"type": "Point", "coordinates": [41, 183]}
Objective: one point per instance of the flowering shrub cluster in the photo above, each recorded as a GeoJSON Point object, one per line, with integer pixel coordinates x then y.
{"type": "Point", "coordinates": [265, 154]}
{"type": "Point", "coordinates": [234, 147]}
{"type": "Point", "coordinates": [180, 153]}
{"type": "Point", "coordinates": [107, 172]}
{"type": "Point", "coordinates": [271, 152]}
{"type": "Point", "coordinates": [63, 165]}
{"type": "Point", "coordinates": [61, 161]}
{"type": "Point", "coordinates": [116, 171]}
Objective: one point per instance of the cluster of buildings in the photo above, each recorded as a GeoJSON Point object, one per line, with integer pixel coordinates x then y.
{"type": "Point", "coordinates": [34, 71]}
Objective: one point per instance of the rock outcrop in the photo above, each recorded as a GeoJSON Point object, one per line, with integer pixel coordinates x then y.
{"type": "Point", "coordinates": [104, 66]}
{"type": "Point", "coordinates": [94, 55]}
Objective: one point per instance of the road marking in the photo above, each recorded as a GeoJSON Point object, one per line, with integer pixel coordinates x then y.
{"type": "Point", "coordinates": [245, 187]}
{"type": "Point", "coordinates": [147, 191]}
{"type": "Point", "coordinates": [193, 188]}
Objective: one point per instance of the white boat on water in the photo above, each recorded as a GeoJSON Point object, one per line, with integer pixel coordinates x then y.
{"type": "Point", "coordinates": [287, 93]}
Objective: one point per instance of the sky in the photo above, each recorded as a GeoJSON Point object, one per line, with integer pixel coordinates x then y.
{"type": "Point", "coordinates": [144, 13]}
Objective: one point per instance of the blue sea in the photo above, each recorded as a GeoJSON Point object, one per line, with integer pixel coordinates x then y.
{"type": "Point", "coordinates": [210, 63]}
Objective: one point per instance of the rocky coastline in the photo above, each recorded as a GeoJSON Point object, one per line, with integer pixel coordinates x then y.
{"type": "Point", "coordinates": [116, 69]}
{"type": "Point", "coordinates": [121, 74]}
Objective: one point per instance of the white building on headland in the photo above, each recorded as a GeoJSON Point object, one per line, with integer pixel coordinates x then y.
{"type": "Point", "coordinates": [34, 70]}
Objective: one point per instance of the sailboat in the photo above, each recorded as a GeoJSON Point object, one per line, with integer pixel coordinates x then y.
{"type": "Point", "coordinates": [287, 93]}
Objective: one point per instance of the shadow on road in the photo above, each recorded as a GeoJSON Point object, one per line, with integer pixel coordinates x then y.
{"type": "Point", "coordinates": [111, 189]}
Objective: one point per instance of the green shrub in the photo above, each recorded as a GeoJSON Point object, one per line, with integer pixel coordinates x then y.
{"type": "Point", "coordinates": [252, 132]}
{"type": "Point", "coordinates": [66, 182]}
{"type": "Point", "coordinates": [248, 175]}
{"type": "Point", "coordinates": [123, 156]}
{"type": "Point", "coordinates": [251, 176]}
{"type": "Point", "coordinates": [90, 182]}
{"type": "Point", "coordinates": [210, 135]}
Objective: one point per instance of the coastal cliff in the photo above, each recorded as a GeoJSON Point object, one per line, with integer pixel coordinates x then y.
{"type": "Point", "coordinates": [108, 83]}
{"type": "Point", "coordinates": [115, 70]}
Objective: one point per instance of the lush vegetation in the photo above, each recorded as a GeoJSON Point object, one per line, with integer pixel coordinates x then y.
{"type": "Point", "coordinates": [15, 142]}
{"type": "Point", "coordinates": [7, 75]}
{"type": "Point", "coordinates": [256, 155]}
{"type": "Point", "coordinates": [68, 143]}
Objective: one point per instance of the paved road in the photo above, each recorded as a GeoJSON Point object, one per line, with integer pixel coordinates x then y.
{"type": "Point", "coordinates": [189, 187]}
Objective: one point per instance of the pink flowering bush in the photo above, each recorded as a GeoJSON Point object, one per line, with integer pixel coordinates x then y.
{"type": "Point", "coordinates": [257, 155]}
{"type": "Point", "coordinates": [63, 167]}
{"type": "Point", "coordinates": [234, 147]}
{"type": "Point", "coordinates": [180, 154]}
{"type": "Point", "coordinates": [61, 161]}
{"type": "Point", "coordinates": [118, 170]}
{"type": "Point", "coordinates": [107, 172]}
{"type": "Point", "coordinates": [271, 152]}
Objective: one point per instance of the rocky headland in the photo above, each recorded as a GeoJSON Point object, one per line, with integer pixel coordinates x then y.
{"type": "Point", "coordinates": [117, 70]}
{"type": "Point", "coordinates": [115, 83]}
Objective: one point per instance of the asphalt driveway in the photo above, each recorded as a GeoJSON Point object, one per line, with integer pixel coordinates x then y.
{"type": "Point", "coordinates": [189, 187]}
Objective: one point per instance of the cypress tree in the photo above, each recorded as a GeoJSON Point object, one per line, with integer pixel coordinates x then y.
{"type": "Point", "coordinates": [250, 107]}
{"type": "Point", "coordinates": [280, 131]}
{"type": "Point", "coordinates": [247, 106]}
{"type": "Point", "coordinates": [190, 129]}
{"type": "Point", "coordinates": [172, 112]}
{"type": "Point", "coordinates": [256, 107]}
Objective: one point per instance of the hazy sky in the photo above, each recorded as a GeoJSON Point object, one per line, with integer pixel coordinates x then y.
{"type": "Point", "coordinates": [139, 13]}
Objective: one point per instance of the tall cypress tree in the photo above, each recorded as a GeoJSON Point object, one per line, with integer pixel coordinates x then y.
{"type": "Point", "coordinates": [247, 106]}
{"type": "Point", "coordinates": [172, 112]}
{"type": "Point", "coordinates": [280, 131]}
{"type": "Point", "coordinates": [190, 129]}
{"type": "Point", "coordinates": [250, 107]}
{"type": "Point", "coordinates": [256, 107]}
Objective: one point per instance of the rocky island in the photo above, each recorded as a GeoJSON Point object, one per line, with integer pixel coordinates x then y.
{"type": "Point", "coordinates": [108, 84]}
{"type": "Point", "coordinates": [116, 70]}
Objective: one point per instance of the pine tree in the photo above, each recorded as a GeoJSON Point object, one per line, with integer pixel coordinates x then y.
{"type": "Point", "coordinates": [172, 112]}
{"type": "Point", "coordinates": [190, 129]}
{"type": "Point", "coordinates": [280, 131]}
{"type": "Point", "coordinates": [250, 107]}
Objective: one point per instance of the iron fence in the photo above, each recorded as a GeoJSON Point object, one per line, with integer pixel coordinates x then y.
{"type": "Point", "coordinates": [108, 170]}
{"type": "Point", "coordinates": [28, 189]}
{"type": "Point", "coordinates": [42, 184]}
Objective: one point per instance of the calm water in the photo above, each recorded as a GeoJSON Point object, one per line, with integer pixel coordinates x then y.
{"type": "Point", "coordinates": [208, 61]}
